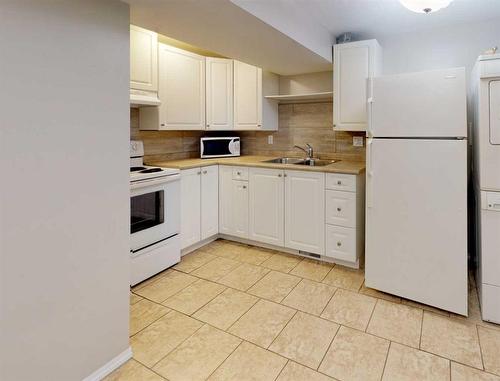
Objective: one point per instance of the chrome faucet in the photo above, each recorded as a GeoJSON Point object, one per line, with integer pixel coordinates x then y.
{"type": "Point", "coordinates": [308, 151]}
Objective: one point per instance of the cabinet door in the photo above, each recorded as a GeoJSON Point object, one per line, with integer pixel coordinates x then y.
{"type": "Point", "coordinates": [219, 87]}
{"type": "Point", "coordinates": [143, 59]}
{"type": "Point", "coordinates": [190, 207]}
{"type": "Point", "coordinates": [225, 199]}
{"type": "Point", "coordinates": [240, 208]}
{"type": "Point", "coordinates": [209, 201]}
{"type": "Point", "coordinates": [305, 211]}
{"type": "Point", "coordinates": [354, 63]}
{"type": "Point", "coordinates": [247, 96]}
{"type": "Point", "coordinates": [266, 205]}
{"type": "Point", "coordinates": [181, 89]}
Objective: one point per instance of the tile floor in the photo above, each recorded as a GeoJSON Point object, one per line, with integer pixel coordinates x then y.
{"type": "Point", "coordinates": [234, 312]}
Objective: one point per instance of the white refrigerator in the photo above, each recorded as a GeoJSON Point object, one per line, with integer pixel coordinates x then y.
{"type": "Point", "coordinates": [416, 188]}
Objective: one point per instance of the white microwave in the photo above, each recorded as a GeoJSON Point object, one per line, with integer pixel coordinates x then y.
{"type": "Point", "coordinates": [219, 147]}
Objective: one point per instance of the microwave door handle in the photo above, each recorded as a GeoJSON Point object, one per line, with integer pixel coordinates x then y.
{"type": "Point", "coordinates": [155, 181]}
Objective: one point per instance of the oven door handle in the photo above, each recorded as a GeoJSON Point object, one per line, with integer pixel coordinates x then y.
{"type": "Point", "coordinates": [154, 181]}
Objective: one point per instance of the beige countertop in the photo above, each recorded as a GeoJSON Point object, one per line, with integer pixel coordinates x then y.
{"type": "Point", "coordinates": [340, 166]}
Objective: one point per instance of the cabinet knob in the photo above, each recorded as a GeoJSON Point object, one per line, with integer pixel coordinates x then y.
{"type": "Point", "coordinates": [285, 175]}
{"type": "Point", "coordinates": [198, 173]}
{"type": "Point", "coordinates": [238, 173]}
{"type": "Point", "coordinates": [339, 209]}
{"type": "Point", "coordinates": [208, 125]}
{"type": "Point", "coordinates": [279, 174]}
{"type": "Point", "coordinates": [244, 187]}
{"type": "Point", "coordinates": [205, 172]}
{"type": "Point", "coordinates": [339, 182]}
{"type": "Point", "coordinates": [339, 243]}
{"type": "Point", "coordinates": [163, 124]}
{"type": "Point", "coordinates": [259, 125]}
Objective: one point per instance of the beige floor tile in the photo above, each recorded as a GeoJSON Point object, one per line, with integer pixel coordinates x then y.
{"type": "Point", "coordinates": [134, 298]}
{"type": "Point", "coordinates": [150, 280]}
{"type": "Point", "coordinates": [274, 286]}
{"type": "Point", "coordinates": [297, 372]}
{"type": "Point", "coordinates": [254, 255]}
{"type": "Point", "coordinates": [133, 371]}
{"type": "Point", "coordinates": [305, 339]}
{"type": "Point", "coordinates": [474, 312]}
{"type": "Point", "coordinates": [425, 307]}
{"type": "Point", "coordinates": [229, 250]}
{"type": "Point", "coordinates": [156, 341]}
{"type": "Point", "coordinates": [249, 363]}
{"type": "Point", "coordinates": [195, 296]}
{"type": "Point", "coordinates": [344, 277]}
{"type": "Point", "coordinates": [451, 338]}
{"type": "Point", "coordinates": [396, 322]}
{"type": "Point", "coordinates": [197, 357]}
{"type": "Point", "coordinates": [409, 364]}
{"type": "Point", "coordinates": [309, 296]}
{"type": "Point", "coordinates": [244, 276]}
{"type": "Point", "coordinates": [355, 355]}
{"type": "Point", "coordinates": [379, 294]}
{"type": "Point", "coordinates": [216, 269]}
{"type": "Point", "coordinates": [143, 314]}
{"type": "Point", "coordinates": [194, 260]}
{"type": "Point", "coordinates": [350, 308]}
{"type": "Point", "coordinates": [166, 286]}
{"type": "Point", "coordinates": [490, 348]}
{"type": "Point", "coordinates": [226, 308]}
{"type": "Point", "coordinates": [282, 262]}
{"type": "Point", "coordinates": [461, 372]}
{"type": "Point", "coordinates": [262, 323]}
{"type": "Point", "coordinates": [312, 269]}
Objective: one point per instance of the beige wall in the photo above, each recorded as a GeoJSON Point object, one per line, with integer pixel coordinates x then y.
{"type": "Point", "coordinates": [298, 124]}
{"type": "Point", "coordinates": [64, 198]}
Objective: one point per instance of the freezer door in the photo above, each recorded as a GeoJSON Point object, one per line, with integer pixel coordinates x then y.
{"type": "Point", "coordinates": [424, 104]}
{"type": "Point", "coordinates": [416, 220]}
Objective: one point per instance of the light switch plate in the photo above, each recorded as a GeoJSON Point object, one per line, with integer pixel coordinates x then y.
{"type": "Point", "coordinates": [357, 141]}
{"type": "Point", "coordinates": [270, 139]}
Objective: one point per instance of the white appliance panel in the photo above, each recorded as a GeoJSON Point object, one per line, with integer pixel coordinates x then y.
{"type": "Point", "coordinates": [416, 220]}
{"type": "Point", "coordinates": [424, 104]}
{"type": "Point", "coordinates": [495, 112]}
{"type": "Point", "coordinates": [490, 238]}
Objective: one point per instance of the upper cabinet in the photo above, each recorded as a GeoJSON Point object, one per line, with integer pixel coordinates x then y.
{"type": "Point", "coordinates": [247, 96]}
{"type": "Point", "coordinates": [143, 59]}
{"type": "Point", "coordinates": [354, 63]}
{"type": "Point", "coordinates": [181, 90]}
{"type": "Point", "coordinates": [219, 93]}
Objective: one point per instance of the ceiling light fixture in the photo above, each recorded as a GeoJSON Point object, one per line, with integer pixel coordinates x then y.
{"type": "Point", "coordinates": [425, 6]}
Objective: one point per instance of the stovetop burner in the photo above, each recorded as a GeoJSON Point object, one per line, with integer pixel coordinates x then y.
{"type": "Point", "coordinates": [151, 170]}
{"type": "Point", "coordinates": [135, 169]}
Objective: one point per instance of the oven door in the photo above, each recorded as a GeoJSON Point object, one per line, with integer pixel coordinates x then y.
{"type": "Point", "coordinates": [154, 211]}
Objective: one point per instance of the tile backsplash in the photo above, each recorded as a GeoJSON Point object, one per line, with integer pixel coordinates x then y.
{"type": "Point", "coordinates": [298, 124]}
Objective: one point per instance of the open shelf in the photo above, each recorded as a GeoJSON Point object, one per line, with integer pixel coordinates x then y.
{"type": "Point", "coordinates": [289, 98]}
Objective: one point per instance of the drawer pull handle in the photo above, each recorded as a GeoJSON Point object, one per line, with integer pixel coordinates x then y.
{"type": "Point", "coordinates": [339, 182]}
{"type": "Point", "coordinates": [339, 209]}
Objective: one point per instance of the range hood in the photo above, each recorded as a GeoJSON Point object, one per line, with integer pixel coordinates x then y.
{"type": "Point", "coordinates": [140, 98]}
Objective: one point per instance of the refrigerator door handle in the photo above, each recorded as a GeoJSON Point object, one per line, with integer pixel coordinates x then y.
{"type": "Point", "coordinates": [369, 174]}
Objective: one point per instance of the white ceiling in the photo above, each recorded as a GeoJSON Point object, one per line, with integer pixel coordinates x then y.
{"type": "Point", "coordinates": [293, 36]}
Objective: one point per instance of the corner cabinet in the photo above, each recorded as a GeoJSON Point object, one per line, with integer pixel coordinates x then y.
{"type": "Point", "coordinates": [353, 64]}
{"type": "Point", "coordinates": [181, 91]}
{"type": "Point", "coordinates": [143, 59]}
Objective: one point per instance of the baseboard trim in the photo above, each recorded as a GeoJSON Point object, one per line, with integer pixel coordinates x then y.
{"type": "Point", "coordinates": [110, 366]}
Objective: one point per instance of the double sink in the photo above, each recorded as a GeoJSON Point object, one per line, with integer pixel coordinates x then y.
{"type": "Point", "coordinates": [296, 161]}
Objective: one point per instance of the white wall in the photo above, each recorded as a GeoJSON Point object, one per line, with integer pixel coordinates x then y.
{"type": "Point", "coordinates": [64, 193]}
{"type": "Point", "coordinates": [439, 48]}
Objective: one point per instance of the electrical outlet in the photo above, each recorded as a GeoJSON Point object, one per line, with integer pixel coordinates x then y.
{"type": "Point", "coordinates": [357, 141]}
{"type": "Point", "coordinates": [270, 139]}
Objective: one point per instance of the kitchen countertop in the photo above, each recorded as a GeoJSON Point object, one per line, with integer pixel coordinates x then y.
{"type": "Point", "coordinates": [340, 166]}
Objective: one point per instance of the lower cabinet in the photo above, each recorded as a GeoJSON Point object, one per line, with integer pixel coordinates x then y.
{"type": "Point", "coordinates": [267, 206]}
{"type": "Point", "coordinates": [305, 211]}
{"type": "Point", "coordinates": [233, 201]}
{"type": "Point", "coordinates": [199, 199]}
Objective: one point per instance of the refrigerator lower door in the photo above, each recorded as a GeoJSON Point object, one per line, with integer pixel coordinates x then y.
{"type": "Point", "coordinates": [424, 104]}
{"type": "Point", "coordinates": [416, 220]}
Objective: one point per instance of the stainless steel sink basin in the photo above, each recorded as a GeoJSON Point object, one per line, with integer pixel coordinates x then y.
{"type": "Point", "coordinates": [285, 160]}
{"type": "Point", "coordinates": [316, 162]}
{"type": "Point", "coordinates": [295, 161]}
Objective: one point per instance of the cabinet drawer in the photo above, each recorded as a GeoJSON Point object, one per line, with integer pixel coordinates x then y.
{"type": "Point", "coordinates": [341, 243]}
{"type": "Point", "coordinates": [341, 208]}
{"type": "Point", "coordinates": [339, 181]}
{"type": "Point", "coordinates": [240, 173]}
